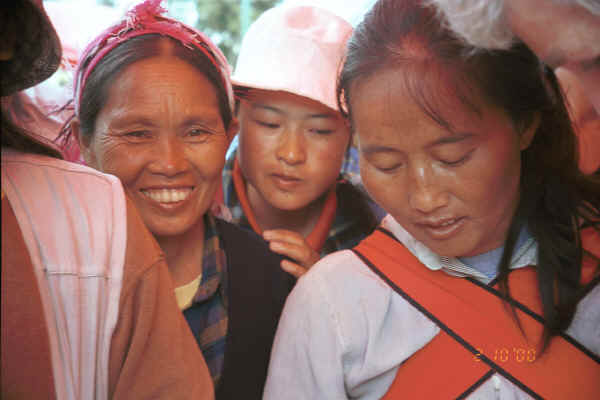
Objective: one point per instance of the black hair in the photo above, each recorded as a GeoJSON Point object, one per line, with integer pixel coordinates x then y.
{"type": "Point", "coordinates": [95, 92]}
{"type": "Point", "coordinates": [556, 199]}
{"type": "Point", "coordinates": [354, 202]}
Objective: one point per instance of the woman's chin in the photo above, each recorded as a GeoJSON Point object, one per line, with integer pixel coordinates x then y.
{"type": "Point", "coordinates": [166, 228]}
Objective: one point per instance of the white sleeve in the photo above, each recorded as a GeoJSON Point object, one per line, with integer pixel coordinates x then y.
{"type": "Point", "coordinates": [306, 361]}
{"type": "Point", "coordinates": [585, 327]}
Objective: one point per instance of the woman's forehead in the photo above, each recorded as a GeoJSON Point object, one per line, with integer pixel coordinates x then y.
{"type": "Point", "coordinates": [161, 83]}
{"type": "Point", "coordinates": [395, 95]}
{"type": "Point", "coordinates": [285, 100]}
{"type": "Point", "coordinates": [160, 70]}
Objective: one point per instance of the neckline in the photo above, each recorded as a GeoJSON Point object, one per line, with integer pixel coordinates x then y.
{"type": "Point", "coordinates": [316, 238]}
{"type": "Point", "coordinates": [185, 293]}
{"type": "Point", "coordinates": [526, 255]}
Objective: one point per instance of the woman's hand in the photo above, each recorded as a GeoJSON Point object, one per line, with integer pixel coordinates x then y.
{"type": "Point", "coordinates": [294, 246]}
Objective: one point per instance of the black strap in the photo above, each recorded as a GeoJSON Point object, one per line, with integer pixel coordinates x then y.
{"type": "Point", "coordinates": [459, 339]}
{"type": "Point", "coordinates": [515, 303]}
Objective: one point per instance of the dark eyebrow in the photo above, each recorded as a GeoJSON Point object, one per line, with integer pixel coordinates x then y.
{"type": "Point", "coordinates": [210, 122]}
{"type": "Point", "coordinates": [452, 138]}
{"type": "Point", "coordinates": [323, 116]}
{"type": "Point", "coordinates": [278, 111]}
{"type": "Point", "coordinates": [378, 149]}
{"type": "Point", "coordinates": [266, 107]}
{"type": "Point", "coordinates": [131, 119]}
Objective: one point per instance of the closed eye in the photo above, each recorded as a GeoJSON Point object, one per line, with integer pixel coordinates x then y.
{"type": "Point", "coordinates": [322, 131]}
{"type": "Point", "coordinates": [460, 161]}
{"type": "Point", "coordinates": [268, 125]}
{"type": "Point", "coordinates": [387, 168]}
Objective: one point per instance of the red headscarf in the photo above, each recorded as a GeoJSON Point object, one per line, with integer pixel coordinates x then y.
{"type": "Point", "coordinates": [147, 18]}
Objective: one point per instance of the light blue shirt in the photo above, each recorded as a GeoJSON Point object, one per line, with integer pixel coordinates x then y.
{"type": "Point", "coordinates": [489, 263]}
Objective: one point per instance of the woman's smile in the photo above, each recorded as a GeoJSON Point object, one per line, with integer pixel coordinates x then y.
{"type": "Point", "coordinates": [168, 197]}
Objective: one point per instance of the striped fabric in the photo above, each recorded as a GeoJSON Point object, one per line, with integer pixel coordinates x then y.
{"type": "Point", "coordinates": [343, 234]}
{"type": "Point", "coordinates": [207, 315]}
{"type": "Point", "coordinates": [524, 254]}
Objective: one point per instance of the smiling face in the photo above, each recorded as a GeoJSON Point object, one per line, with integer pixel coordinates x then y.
{"type": "Point", "coordinates": [291, 148]}
{"type": "Point", "coordinates": [561, 35]}
{"type": "Point", "coordinates": [453, 190]}
{"type": "Point", "coordinates": [160, 132]}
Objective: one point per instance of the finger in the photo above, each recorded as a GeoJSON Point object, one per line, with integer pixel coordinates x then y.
{"type": "Point", "coordinates": [284, 235]}
{"type": "Point", "coordinates": [293, 268]}
{"type": "Point", "coordinates": [302, 254]}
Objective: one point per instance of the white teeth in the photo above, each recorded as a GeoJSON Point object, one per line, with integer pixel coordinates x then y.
{"type": "Point", "coordinates": [167, 195]}
{"type": "Point", "coordinates": [449, 222]}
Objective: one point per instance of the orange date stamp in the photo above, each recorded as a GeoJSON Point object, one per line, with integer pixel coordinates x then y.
{"type": "Point", "coordinates": [504, 354]}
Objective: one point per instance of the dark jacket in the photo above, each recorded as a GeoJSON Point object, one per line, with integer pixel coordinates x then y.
{"type": "Point", "coordinates": [257, 289]}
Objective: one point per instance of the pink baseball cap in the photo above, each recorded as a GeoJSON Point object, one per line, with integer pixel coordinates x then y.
{"type": "Point", "coordinates": [297, 49]}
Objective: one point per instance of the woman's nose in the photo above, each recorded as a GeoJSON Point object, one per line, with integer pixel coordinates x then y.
{"type": "Point", "coordinates": [426, 191]}
{"type": "Point", "coordinates": [292, 149]}
{"type": "Point", "coordinates": [169, 158]}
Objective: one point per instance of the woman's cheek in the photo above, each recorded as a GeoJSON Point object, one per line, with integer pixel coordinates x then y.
{"type": "Point", "coordinates": [379, 186]}
{"type": "Point", "coordinates": [117, 158]}
{"type": "Point", "coordinates": [208, 158]}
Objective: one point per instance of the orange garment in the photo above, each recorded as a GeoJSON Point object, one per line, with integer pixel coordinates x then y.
{"type": "Point", "coordinates": [152, 352]}
{"type": "Point", "coordinates": [317, 236]}
{"type": "Point", "coordinates": [479, 336]}
{"type": "Point", "coordinates": [25, 351]}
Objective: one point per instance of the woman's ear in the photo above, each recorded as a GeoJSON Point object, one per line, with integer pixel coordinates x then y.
{"type": "Point", "coordinates": [83, 143]}
{"type": "Point", "coordinates": [232, 130]}
{"type": "Point", "coordinates": [529, 132]}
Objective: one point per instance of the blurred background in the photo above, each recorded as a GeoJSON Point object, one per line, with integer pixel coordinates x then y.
{"type": "Point", "coordinates": [225, 21]}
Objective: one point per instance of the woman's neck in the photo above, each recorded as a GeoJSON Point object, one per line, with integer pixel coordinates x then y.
{"type": "Point", "coordinates": [184, 253]}
{"type": "Point", "coordinates": [301, 221]}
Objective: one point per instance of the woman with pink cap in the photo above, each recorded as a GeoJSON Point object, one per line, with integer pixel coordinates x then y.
{"type": "Point", "coordinates": [284, 180]}
{"type": "Point", "coordinates": [88, 310]}
{"type": "Point", "coordinates": [154, 106]}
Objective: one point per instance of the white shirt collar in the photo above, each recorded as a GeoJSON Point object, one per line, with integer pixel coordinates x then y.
{"type": "Point", "coordinates": [525, 255]}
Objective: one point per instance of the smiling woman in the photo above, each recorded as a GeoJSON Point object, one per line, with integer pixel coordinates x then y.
{"type": "Point", "coordinates": [154, 102]}
{"type": "Point", "coordinates": [164, 142]}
